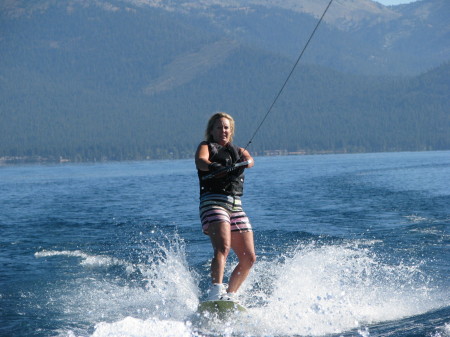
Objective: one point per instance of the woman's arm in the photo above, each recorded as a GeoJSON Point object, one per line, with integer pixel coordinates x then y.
{"type": "Point", "coordinates": [202, 157]}
{"type": "Point", "coordinates": [246, 156]}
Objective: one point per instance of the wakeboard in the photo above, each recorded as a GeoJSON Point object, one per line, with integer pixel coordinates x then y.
{"type": "Point", "coordinates": [220, 307]}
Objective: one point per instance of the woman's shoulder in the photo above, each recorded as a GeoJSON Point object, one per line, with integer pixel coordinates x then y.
{"type": "Point", "coordinates": [203, 143]}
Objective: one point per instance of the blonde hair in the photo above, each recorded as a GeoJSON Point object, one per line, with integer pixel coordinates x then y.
{"type": "Point", "coordinates": [212, 121]}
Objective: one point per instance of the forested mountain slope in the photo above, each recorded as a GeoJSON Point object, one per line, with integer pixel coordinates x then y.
{"type": "Point", "coordinates": [98, 80]}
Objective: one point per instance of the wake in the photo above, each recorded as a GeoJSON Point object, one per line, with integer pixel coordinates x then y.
{"type": "Point", "coordinates": [314, 290]}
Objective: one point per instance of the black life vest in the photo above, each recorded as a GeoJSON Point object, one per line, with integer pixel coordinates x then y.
{"type": "Point", "coordinates": [230, 184]}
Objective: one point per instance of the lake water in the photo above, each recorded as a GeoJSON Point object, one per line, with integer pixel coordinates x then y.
{"type": "Point", "coordinates": [347, 245]}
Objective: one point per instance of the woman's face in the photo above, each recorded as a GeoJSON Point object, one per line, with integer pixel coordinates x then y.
{"type": "Point", "coordinates": [221, 131]}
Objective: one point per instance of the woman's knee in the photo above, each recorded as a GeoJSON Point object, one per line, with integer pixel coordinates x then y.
{"type": "Point", "coordinates": [248, 260]}
{"type": "Point", "coordinates": [222, 250]}
{"type": "Point", "coordinates": [252, 258]}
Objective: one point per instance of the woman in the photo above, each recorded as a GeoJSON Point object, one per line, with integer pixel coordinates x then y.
{"type": "Point", "coordinates": [220, 205]}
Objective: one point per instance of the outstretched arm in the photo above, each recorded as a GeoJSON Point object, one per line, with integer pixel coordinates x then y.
{"type": "Point", "coordinates": [246, 156]}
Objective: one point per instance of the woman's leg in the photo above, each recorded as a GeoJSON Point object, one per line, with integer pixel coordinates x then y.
{"type": "Point", "coordinates": [243, 245]}
{"type": "Point", "coordinates": [220, 235]}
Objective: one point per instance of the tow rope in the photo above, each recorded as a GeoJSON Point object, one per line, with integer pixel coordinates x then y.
{"type": "Point", "coordinates": [289, 76]}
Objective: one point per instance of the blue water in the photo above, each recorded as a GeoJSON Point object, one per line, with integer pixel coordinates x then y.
{"type": "Point", "coordinates": [348, 245]}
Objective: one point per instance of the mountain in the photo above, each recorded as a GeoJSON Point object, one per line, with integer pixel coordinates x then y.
{"type": "Point", "coordinates": [359, 36]}
{"type": "Point", "coordinates": [122, 79]}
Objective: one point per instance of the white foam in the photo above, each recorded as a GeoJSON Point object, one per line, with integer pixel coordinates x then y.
{"type": "Point", "coordinates": [167, 274]}
{"type": "Point", "coordinates": [313, 290]}
{"type": "Point", "coordinates": [87, 259]}
{"type": "Point", "coordinates": [132, 327]}
{"type": "Point", "coordinates": [162, 287]}
{"type": "Point", "coordinates": [415, 218]}
{"type": "Point", "coordinates": [333, 289]}
{"type": "Point", "coordinates": [443, 331]}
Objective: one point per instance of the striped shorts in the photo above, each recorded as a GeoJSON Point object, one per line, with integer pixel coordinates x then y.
{"type": "Point", "coordinates": [223, 208]}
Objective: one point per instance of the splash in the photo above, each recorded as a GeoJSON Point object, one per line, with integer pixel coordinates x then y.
{"type": "Point", "coordinates": [168, 276]}
{"type": "Point", "coordinates": [151, 327]}
{"type": "Point", "coordinates": [443, 331]}
{"type": "Point", "coordinates": [160, 291]}
{"type": "Point", "coordinates": [314, 290]}
{"type": "Point", "coordinates": [332, 289]}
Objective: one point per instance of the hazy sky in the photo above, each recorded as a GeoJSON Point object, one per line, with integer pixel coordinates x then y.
{"type": "Point", "coordinates": [394, 2]}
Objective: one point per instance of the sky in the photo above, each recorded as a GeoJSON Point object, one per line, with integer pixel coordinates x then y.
{"type": "Point", "coordinates": [394, 2]}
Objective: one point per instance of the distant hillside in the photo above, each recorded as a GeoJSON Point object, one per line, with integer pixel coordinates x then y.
{"type": "Point", "coordinates": [116, 80]}
{"type": "Point", "coordinates": [359, 36]}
